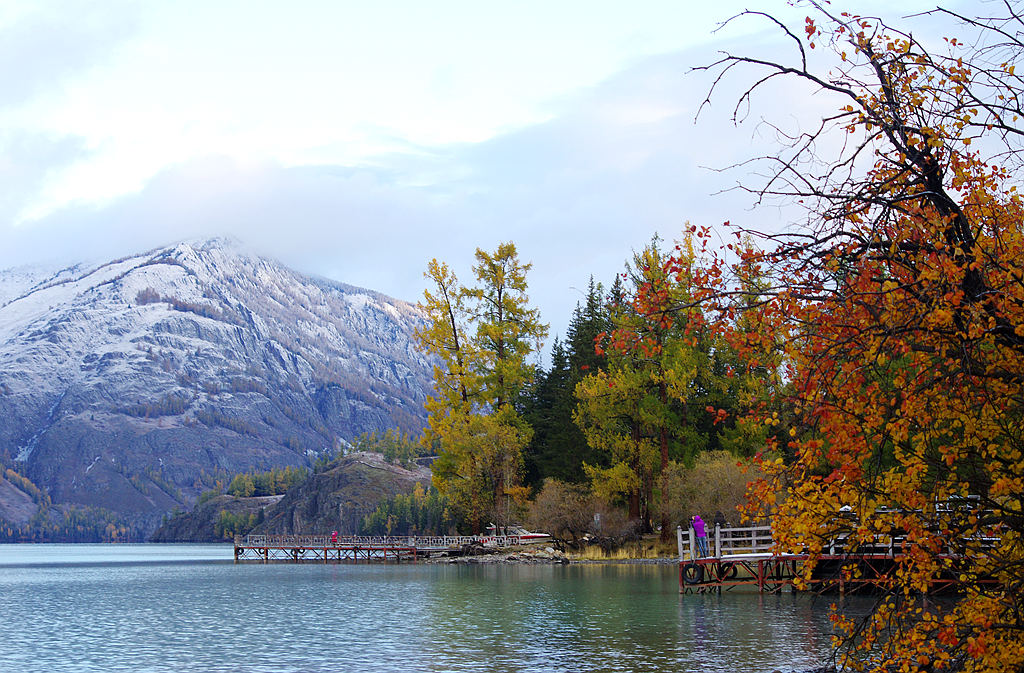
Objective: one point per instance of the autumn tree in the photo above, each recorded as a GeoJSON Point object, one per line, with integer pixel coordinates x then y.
{"type": "Point", "coordinates": [445, 337]}
{"type": "Point", "coordinates": [645, 407]}
{"type": "Point", "coordinates": [508, 330]}
{"type": "Point", "coordinates": [242, 486]}
{"type": "Point", "coordinates": [898, 312]}
{"type": "Point", "coordinates": [483, 336]}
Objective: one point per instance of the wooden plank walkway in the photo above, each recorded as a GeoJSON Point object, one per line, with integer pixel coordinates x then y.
{"type": "Point", "coordinates": [358, 548]}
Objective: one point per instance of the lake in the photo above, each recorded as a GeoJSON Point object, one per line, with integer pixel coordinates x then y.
{"type": "Point", "coordinates": [163, 608]}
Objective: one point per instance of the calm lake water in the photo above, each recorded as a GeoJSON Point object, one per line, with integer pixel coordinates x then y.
{"type": "Point", "coordinates": [190, 608]}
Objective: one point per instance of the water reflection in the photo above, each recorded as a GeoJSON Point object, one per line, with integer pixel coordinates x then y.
{"type": "Point", "coordinates": [221, 617]}
{"type": "Point", "coordinates": [766, 631]}
{"type": "Point", "coordinates": [617, 618]}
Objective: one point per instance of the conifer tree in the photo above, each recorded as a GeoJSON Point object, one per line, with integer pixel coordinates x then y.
{"type": "Point", "coordinates": [559, 449]}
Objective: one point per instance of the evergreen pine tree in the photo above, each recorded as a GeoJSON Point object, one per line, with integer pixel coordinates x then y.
{"type": "Point", "coordinates": [558, 448]}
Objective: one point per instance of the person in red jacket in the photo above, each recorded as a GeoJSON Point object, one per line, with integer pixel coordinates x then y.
{"type": "Point", "coordinates": [334, 537]}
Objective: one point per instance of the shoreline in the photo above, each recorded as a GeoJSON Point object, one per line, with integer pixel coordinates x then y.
{"type": "Point", "coordinates": [547, 555]}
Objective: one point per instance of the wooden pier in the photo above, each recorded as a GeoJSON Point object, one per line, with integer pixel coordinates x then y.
{"type": "Point", "coordinates": [737, 556]}
{"type": "Point", "coordinates": [746, 556]}
{"type": "Point", "coordinates": [359, 548]}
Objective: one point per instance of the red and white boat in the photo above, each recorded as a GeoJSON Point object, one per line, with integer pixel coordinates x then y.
{"type": "Point", "coordinates": [506, 535]}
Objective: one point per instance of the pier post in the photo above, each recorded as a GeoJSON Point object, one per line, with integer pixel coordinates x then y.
{"type": "Point", "coordinates": [718, 541]}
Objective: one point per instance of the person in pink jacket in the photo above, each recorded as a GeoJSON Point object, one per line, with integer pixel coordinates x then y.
{"type": "Point", "coordinates": [702, 534]}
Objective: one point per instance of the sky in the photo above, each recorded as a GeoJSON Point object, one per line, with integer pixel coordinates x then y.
{"type": "Point", "coordinates": [358, 140]}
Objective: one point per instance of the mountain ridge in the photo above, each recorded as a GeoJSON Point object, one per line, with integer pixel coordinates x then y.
{"type": "Point", "coordinates": [134, 384]}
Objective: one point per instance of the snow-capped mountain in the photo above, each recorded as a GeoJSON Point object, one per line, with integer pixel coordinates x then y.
{"type": "Point", "coordinates": [132, 385]}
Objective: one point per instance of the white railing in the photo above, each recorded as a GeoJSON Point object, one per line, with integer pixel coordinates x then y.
{"type": "Point", "coordinates": [390, 541]}
{"type": "Point", "coordinates": [892, 545]}
{"type": "Point", "coordinates": [724, 542]}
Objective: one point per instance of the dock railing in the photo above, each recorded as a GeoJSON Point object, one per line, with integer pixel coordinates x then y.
{"type": "Point", "coordinates": [734, 541]}
{"type": "Point", "coordinates": [725, 542]}
{"type": "Point", "coordinates": [438, 542]}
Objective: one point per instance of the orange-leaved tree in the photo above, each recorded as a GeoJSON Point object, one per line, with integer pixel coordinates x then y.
{"type": "Point", "coordinates": [648, 406]}
{"type": "Point", "coordinates": [897, 313]}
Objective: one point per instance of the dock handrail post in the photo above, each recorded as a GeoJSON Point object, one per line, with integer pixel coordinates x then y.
{"type": "Point", "coordinates": [718, 541]}
{"type": "Point", "coordinates": [679, 542]}
{"type": "Point", "coordinates": [693, 544]}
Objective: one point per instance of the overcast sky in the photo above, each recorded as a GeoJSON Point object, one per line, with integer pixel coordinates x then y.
{"type": "Point", "coordinates": [358, 140]}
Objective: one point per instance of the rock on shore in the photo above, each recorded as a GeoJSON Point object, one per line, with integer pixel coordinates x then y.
{"type": "Point", "coordinates": [525, 556]}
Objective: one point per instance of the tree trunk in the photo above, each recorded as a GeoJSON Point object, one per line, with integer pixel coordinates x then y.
{"type": "Point", "coordinates": [663, 393]}
{"type": "Point", "coordinates": [634, 497]}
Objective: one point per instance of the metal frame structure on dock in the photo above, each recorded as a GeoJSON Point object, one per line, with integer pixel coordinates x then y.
{"type": "Point", "coordinates": [358, 548]}
{"type": "Point", "coordinates": [768, 572]}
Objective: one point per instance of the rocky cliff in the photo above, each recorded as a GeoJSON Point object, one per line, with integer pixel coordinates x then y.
{"type": "Point", "coordinates": [201, 523]}
{"type": "Point", "coordinates": [339, 498]}
{"type": "Point", "coordinates": [134, 385]}
{"type": "Point", "coordinates": [334, 500]}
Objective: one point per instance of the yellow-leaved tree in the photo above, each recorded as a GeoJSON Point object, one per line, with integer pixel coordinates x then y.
{"type": "Point", "coordinates": [483, 337]}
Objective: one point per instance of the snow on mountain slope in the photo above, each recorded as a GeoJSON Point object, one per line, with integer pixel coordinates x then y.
{"type": "Point", "coordinates": [133, 385]}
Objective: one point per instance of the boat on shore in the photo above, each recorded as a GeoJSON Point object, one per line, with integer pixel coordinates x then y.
{"type": "Point", "coordinates": [512, 532]}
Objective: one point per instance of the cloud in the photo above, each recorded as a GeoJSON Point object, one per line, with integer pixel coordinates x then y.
{"type": "Point", "coordinates": [625, 162]}
{"type": "Point", "coordinates": [350, 224]}
{"type": "Point", "coordinates": [26, 159]}
{"type": "Point", "coordinates": [43, 48]}
{"type": "Point", "coordinates": [49, 44]}
{"type": "Point", "coordinates": [620, 163]}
